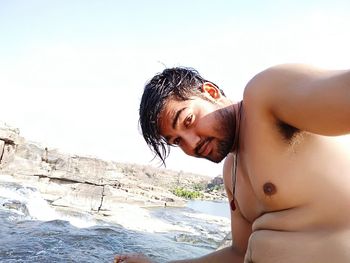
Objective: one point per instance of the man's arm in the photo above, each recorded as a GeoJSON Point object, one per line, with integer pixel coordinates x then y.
{"type": "Point", "coordinates": [304, 97]}
{"type": "Point", "coordinates": [225, 255]}
{"type": "Point", "coordinates": [240, 230]}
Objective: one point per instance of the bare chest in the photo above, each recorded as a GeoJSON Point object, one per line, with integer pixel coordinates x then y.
{"type": "Point", "coordinates": [280, 176]}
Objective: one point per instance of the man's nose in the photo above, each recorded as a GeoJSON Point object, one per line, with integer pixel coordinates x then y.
{"type": "Point", "coordinates": [192, 140]}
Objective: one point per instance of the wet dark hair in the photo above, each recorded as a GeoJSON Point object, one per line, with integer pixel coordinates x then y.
{"type": "Point", "coordinates": [178, 83]}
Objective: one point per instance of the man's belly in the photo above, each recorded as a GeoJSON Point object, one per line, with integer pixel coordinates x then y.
{"type": "Point", "coordinates": [309, 217]}
{"type": "Point", "coordinates": [321, 210]}
{"type": "Point", "coordinates": [316, 231]}
{"type": "Point", "coordinates": [293, 219]}
{"type": "Point", "coordinates": [268, 246]}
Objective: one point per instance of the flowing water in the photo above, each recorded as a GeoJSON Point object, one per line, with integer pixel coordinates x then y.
{"type": "Point", "coordinates": [32, 231]}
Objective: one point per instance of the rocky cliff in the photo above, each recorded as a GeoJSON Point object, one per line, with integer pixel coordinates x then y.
{"type": "Point", "coordinates": [91, 184]}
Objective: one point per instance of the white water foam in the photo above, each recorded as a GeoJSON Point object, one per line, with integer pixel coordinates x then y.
{"type": "Point", "coordinates": [136, 218]}
{"type": "Point", "coordinates": [129, 216]}
{"type": "Point", "coordinates": [212, 218]}
{"type": "Point", "coordinates": [37, 206]}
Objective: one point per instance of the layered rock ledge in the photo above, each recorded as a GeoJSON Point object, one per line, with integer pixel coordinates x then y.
{"type": "Point", "coordinates": [90, 184]}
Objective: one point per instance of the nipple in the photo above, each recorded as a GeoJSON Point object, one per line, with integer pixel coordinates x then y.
{"type": "Point", "coordinates": [269, 189]}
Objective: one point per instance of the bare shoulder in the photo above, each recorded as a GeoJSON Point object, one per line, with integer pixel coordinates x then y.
{"type": "Point", "coordinates": [283, 75]}
{"type": "Point", "coordinates": [299, 95]}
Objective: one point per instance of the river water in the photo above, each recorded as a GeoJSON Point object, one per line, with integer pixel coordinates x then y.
{"type": "Point", "coordinates": [32, 231]}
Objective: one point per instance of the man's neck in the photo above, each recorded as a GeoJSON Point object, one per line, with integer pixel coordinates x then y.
{"type": "Point", "coordinates": [237, 111]}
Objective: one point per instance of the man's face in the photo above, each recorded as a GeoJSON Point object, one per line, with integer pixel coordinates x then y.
{"type": "Point", "coordinates": [201, 128]}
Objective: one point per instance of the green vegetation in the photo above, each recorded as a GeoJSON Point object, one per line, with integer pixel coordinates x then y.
{"type": "Point", "coordinates": [188, 194]}
{"type": "Point", "coordinates": [213, 187]}
{"type": "Point", "coordinates": [199, 187]}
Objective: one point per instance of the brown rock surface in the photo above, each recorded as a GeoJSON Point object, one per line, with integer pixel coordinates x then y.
{"type": "Point", "coordinates": [86, 183]}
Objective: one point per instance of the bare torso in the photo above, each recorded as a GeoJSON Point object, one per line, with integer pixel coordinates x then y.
{"type": "Point", "coordinates": [292, 186]}
{"type": "Point", "coordinates": [292, 192]}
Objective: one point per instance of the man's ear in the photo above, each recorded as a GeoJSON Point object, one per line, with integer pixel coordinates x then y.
{"type": "Point", "coordinates": [211, 89]}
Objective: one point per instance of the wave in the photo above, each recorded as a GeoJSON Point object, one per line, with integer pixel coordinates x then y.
{"type": "Point", "coordinates": [28, 203]}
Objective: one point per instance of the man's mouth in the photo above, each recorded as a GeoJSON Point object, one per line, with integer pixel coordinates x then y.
{"type": "Point", "coordinates": [203, 148]}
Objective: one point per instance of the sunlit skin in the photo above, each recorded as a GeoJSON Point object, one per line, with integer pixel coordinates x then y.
{"type": "Point", "coordinates": [292, 191]}
{"type": "Point", "coordinates": [200, 127]}
{"type": "Point", "coordinates": [132, 258]}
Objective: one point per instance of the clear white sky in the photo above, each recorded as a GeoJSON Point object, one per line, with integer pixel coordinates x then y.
{"type": "Point", "coordinates": [72, 71]}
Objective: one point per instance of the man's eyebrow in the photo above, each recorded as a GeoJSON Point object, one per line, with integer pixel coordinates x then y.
{"type": "Point", "coordinates": [176, 118]}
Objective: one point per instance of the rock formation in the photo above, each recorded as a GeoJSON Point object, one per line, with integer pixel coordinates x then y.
{"type": "Point", "coordinates": [87, 183]}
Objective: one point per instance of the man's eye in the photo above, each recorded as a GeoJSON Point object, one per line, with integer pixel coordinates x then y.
{"type": "Point", "coordinates": [188, 120]}
{"type": "Point", "coordinates": [176, 141]}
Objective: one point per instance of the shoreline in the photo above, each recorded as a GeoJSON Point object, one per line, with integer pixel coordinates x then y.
{"type": "Point", "coordinates": [85, 184]}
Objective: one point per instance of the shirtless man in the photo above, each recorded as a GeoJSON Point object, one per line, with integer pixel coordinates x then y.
{"type": "Point", "coordinates": [287, 166]}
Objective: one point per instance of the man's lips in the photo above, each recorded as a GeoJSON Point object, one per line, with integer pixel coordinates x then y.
{"type": "Point", "coordinates": [203, 148]}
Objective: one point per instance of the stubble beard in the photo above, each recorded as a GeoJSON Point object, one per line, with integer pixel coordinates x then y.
{"type": "Point", "coordinates": [226, 125]}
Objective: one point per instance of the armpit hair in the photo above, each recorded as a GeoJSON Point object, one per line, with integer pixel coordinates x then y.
{"type": "Point", "coordinates": [288, 132]}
